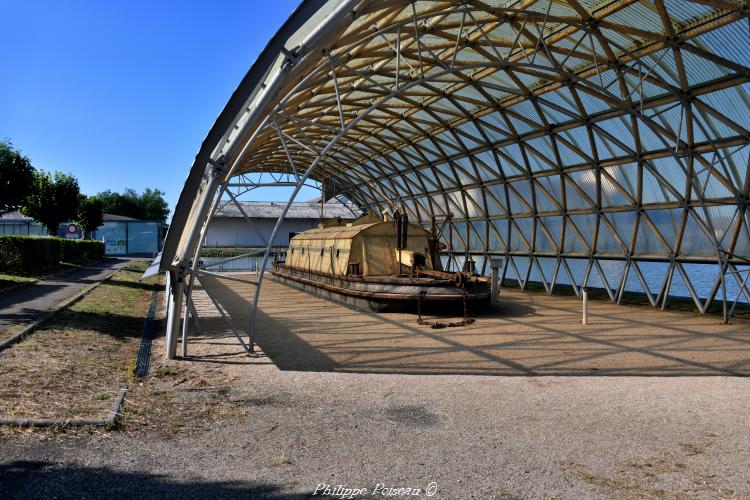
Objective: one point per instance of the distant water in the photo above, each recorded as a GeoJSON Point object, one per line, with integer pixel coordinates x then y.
{"type": "Point", "coordinates": [215, 264]}
{"type": "Point", "coordinates": [702, 276]}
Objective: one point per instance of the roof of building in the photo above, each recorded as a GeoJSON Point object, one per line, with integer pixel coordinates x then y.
{"type": "Point", "coordinates": [597, 130]}
{"type": "Point", "coordinates": [272, 210]}
{"type": "Point", "coordinates": [117, 218]}
{"type": "Point", "coordinates": [14, 216]}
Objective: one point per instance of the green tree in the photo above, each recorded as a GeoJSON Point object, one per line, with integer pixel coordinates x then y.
{"type": "Point", "coordinates": [126, 203]}
{"type": "Point", "coordinates": [148, 205]}
{"type": "Point", "coordinates": [16, 177]}
{"type": "Point", "coordinates": [90, 214]}
{"type": "Point", "coordinates": [154, 205]}
{"type": "Point", "coordinates": [53, 199]}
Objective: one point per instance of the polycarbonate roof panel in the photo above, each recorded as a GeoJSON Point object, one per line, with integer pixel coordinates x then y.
{"type": "Point", "coordinates": [539, 128]}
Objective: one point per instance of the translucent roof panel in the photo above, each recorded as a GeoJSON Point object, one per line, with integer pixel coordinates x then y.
{"type": "Point", "coordinates": [549, 128]}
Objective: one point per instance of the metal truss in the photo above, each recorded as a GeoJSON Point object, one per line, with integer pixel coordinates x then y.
{"type": "Point", "coordinates": [552, 132]}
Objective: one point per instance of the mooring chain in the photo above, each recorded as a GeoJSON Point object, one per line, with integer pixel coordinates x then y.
{"type": "Point", "coordinates": [435, 325]}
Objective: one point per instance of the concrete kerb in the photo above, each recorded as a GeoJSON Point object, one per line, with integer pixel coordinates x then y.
{"type": "Point", "coordinates": [109, 421]}
{"type": "Point", "coordinates": [49, 314]}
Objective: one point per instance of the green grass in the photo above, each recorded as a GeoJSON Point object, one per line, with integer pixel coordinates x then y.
{"type": "Point", "coordinates": [30, 345]}
{"type": "Point", "coordinates": [166, 371]}
{"type": "Point", "coordinates": [176, 424]}
{"type": "Point", "coordinates": [10, 280]}
{"type": "Point", "coordinates": [78, 359]}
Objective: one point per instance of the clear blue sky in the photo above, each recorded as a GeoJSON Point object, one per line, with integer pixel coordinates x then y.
{"type": "Point", "coordinates": [121, 93]}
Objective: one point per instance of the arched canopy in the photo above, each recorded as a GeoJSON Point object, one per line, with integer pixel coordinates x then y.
{"type": "Point", "coordinates": [614, 129]}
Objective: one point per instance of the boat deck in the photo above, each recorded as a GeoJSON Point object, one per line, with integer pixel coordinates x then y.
{"type": "Point", "coordinates": [525, 334]}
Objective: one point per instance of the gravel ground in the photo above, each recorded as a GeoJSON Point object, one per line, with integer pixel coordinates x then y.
{"type": "Point", "coordinates": [224, 425]}
{"type": "Point", "coordinates": [476, 437]}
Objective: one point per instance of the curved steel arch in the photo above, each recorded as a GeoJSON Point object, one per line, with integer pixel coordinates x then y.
{"type": "Point", "coordinates": [547, 129]}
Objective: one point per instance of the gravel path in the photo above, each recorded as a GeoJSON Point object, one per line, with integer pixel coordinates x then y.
{"type": "Point", "coordinates": [223, 425]}
{"type": "Point", "coordinates": [280, 434]}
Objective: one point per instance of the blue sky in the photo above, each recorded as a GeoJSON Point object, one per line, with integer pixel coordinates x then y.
{"type": "Point", "coordinates": [121, 93]}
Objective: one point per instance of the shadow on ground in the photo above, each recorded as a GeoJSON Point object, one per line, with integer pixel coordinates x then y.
{"type": "Point", "coordinates": [41, 479]}
{"type": "Point", "coordinates": [133, 284]}
{"type": "Point", "coordinates": [301, 333]}
{"type": "Point", "coordinates": [27, 303]}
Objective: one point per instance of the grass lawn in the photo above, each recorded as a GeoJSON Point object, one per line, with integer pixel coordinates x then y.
{"type": "Point", "coordinates": [10, 280]}
{"type": "Point", "coordinates": [74, 365]}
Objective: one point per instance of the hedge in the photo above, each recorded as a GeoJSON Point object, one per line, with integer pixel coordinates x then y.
{"type": "Point", "coordinates": [23, 254]}
{"type": "Point", "coordinates": [75, 250]}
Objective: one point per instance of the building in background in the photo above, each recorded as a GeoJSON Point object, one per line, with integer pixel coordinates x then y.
{"type": "Point", "coordinates": [128, 236]}
{"type": "Point", "coordinates": [121, 235]}
{"type": "Point", "coordinates": [230, 229]}
{"type": "Point", "coordinates": [15, 223]}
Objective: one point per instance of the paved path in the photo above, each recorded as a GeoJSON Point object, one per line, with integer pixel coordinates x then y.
{"type": "Point", "coordinates": [27, 303]}
{"type": "Point", "coordinates": [525, 334]}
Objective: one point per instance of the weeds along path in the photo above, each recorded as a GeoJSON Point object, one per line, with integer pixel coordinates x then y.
{"type": "Point", "coordinates": [74, 365]}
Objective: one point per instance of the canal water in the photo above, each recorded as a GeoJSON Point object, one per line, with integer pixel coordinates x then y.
{"type": "Point", "coordinates": [702, 276]}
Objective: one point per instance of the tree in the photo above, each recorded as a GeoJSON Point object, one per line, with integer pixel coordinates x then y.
{"type": "Point", "coordinates": [148, 205]}
{"type": "Point", "coordinates": [53, 199]}
{"type": "Point", "coordinates": [90, 214]}
{"type": "Point", "coordinates": [16, 177]}
{"type": "Point", "coordinates": [154, 205]}
{"type": "Point", "coordinates": [120, 204]}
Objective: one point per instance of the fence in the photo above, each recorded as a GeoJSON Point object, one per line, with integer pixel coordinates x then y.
{"type": "Point", "coordinates": [23, 229]}
{"type": "Point", "coordinates": [238, 259]}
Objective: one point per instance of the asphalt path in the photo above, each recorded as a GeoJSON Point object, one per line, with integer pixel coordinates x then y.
{"type": "Point", "coordinates": [27, 303]}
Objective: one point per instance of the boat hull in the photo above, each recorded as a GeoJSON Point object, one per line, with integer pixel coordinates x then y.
{"type": "Point", "coordinates": [379, 293]}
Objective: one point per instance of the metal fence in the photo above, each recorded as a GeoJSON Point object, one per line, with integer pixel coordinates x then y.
{"type": "Point", "coordinates": [23, 229]}
{"type": "Point", "coordinates": [238, 259]}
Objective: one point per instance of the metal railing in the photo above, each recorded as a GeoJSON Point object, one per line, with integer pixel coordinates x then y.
{"type": "Point", "coordinates": [237, 259]}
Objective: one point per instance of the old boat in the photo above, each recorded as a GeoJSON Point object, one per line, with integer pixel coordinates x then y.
{"type": "Point", "coordinates": [375, 264]}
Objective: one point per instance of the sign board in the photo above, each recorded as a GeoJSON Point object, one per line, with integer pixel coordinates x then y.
{"type": "Point", "coordinates": [114, 246]}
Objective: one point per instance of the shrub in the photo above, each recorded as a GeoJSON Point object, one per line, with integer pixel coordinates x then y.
{"type": "Point", "coordinates": [74, 250]}
{"type": "Point", "coordinates": [27, 253]}
{"type": "Point", "coordinates": [24, 254]}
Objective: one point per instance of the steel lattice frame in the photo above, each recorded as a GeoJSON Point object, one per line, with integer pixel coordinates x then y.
{"type": "Point", "coordinates": [547, 129]}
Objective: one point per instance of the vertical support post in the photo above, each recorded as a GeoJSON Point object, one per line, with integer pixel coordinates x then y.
{"type": "Point", "coordinates": [186, 314]}
{"type": "Point", "coordinates": [495, 264]}
{"type": "Point", "coordinates": [724, 312]}
{"type": "Point", "coordinates": [174, 311]}
{"type": "Point", "coordinates": [189, 306]}
{"type": "Point", "coordinates": [194, 315]}
{"type": "Point", "coordinates": [585, 312]}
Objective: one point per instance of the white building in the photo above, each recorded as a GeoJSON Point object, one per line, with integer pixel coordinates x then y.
{"type": "Point", "coordinates": [229, 228]}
